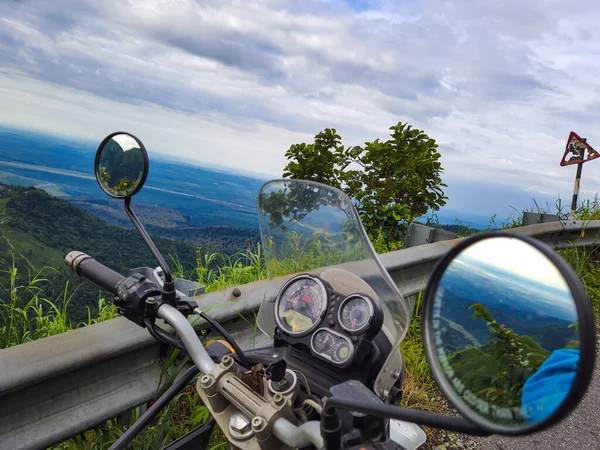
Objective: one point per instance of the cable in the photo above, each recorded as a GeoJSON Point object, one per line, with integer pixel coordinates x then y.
{"type": "Point", "coordinates": [305, 382]}
{"type": "Point", "coordinates": [163, 400]}
{"type": "Point", "coordinates": [226, 336]}
{"type": "Point", "coordinates": [161, 335]}
{"type": "Point", "coordinates": [451, 423]}
{"type": "Point", "coordinates": [318, 408]}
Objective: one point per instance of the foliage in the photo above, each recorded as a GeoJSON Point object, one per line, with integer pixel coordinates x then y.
{"type": "Point", "coordinates": [506, 362]}
{"type": "Point", "coordinates": [28, 315]}
{"type": "Point", "coordinates": [586, 264]}
{"type": "Point", "coordinates": [324, 161]}
{"type": "Point", "coordinates": [16, 320]}
{"type": "Point", "coordinates": [217, 271]}
{"type": "Point", "coordinates": [419, 390]}
{"type": "Point", "coordinates": [413, 353]}
{"type": "Point", "coordinates": [392, 182]}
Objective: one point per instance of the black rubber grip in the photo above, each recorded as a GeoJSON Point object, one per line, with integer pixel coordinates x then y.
{"type": "Point", "coordinates": [87, 267]}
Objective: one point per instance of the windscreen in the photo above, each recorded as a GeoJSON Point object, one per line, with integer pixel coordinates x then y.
{"type": "Point", "coordinates": [308, 227]}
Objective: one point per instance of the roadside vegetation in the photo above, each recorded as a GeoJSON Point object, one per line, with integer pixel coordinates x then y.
{"type": "Point", "coordinates": [26, 314]}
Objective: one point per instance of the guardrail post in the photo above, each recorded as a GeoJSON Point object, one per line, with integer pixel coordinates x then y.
{"type": "Point", "coordinates": [421, 234]}
{"type": "Point", "coordinates": [530, 218]}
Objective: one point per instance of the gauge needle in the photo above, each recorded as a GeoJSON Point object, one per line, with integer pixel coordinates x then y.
{"type": "Point", "coordinates": [353, 323]}
{"type": "Point", "coordinates": [306, 298]}
{"type": "Point", "coordinates": [291, 300]}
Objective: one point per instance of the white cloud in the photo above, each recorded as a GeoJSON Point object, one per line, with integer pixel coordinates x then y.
{"type": "Point", "coordinates": [499, 84]}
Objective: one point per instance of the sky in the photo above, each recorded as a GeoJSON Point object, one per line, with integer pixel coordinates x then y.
{"type": "Point", "coordinates": [512, 255]}
{"type": "Point", "coordinates": [498, 84]}
{"type": "Point", "coordinates": [520, 269]}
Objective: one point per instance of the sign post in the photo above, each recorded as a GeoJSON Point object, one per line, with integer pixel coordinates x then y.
{"type": "Point", "coordinates": [576, 191]}
{"type": "Point", "coordinates": [577, 151]}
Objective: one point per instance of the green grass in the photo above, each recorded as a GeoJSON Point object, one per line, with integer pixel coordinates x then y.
{"type": "Point", "coordinates": [30, 249]}
{"type": "Point", "coordinates": [3, 203]}
{"type": "Point", "coordinates": [27, 315]}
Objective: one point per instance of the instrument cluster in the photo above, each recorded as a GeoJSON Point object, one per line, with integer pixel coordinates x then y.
{"type": "Point", "coordinates": [333, 326]}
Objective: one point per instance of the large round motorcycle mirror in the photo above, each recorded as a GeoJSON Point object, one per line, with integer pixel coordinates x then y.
{"type": "Point", "coordinates": [509, 333]}
{"type": "Point", "coordinates": [121, 165]}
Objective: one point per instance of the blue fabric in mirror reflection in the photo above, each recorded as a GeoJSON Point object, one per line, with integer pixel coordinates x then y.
{"type": "Point", "coordinates": [545, 390]}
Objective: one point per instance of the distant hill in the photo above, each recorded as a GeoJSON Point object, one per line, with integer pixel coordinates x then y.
{"type": "Point", "coordinates": [37, 229]}
{"type": "Point", "coordinates": [65, 168]}
{"type": "Point", "coordinates": [461, 230]}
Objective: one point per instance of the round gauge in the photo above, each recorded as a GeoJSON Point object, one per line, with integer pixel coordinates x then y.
{"type": "Point", "coordinates": [300, 305]}
{"type": "Point", "coordinates": [342, 353]}
{"type": "Point", "coordinates": [323, 341]}
{"type": "Point", "coordinates": [355, 314]}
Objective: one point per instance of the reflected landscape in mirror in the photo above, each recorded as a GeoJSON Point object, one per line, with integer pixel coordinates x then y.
{"type": "Point", "coordinates": [121, 165]}
{"type": "Point", "coordinates": [505, 331]}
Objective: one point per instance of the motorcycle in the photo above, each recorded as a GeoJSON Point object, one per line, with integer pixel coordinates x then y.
{"type": "Point", "coordinates": [507, 328]}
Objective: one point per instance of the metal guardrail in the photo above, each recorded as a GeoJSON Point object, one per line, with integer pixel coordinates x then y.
{"type": "Point", "coordinates": [59, 386]}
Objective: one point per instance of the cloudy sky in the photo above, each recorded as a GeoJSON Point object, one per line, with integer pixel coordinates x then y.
{"type": "Point", "coordinates": [499, 84]}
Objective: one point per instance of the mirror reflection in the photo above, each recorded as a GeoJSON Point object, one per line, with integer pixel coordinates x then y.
{"type": "Point", "coordinates": [121, 166]}
{"type": "Point", "coordinates": [505, 331]}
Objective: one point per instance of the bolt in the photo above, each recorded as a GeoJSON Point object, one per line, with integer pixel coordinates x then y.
{"type": "Point", "coordinates": [258, 423]}
{"type": "Point", "coordinates": [226, 362]}
{"type": "Point", "coordinates": [239, 423]}
{"type": "Point", "coordinates": [206, 381]}
{"type": "Point", "coordinates": [236, 292]}
{"type": "Point", "coordinates": [279, 400]}
{"type": "Point", "coordinates": [151, 301]}
{"type": "Point", "coordinates": [397, 374]}
{"type": "Point", "coordinates": [385, 392]}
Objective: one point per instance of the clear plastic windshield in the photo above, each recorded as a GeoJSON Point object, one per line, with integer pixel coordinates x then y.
{"type": "Point", "coordinates": [308, 227]}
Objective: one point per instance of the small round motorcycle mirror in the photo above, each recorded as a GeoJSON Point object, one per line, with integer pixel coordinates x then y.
{"type": "Point", "coordinates": [509, 333]}
{"type": "Point", "coordinates": [121, 165]}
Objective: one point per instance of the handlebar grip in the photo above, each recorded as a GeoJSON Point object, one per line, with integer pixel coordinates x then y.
{"type": "Point", "coordinates": [87, 267]}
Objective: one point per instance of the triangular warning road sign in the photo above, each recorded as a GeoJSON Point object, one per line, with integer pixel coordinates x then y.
{"type": "Point", "coordinates": [578, 151]}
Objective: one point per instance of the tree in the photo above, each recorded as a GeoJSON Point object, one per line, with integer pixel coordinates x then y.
{"type": "Point", "coordinates": [322, 161]}
{"type": "Point", "coordinates": [391, 182]}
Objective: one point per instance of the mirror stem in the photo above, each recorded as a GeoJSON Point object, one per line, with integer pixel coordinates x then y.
{"type": "Point", "coordinates": [169, 293]}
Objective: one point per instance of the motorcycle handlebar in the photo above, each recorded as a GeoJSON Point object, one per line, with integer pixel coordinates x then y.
{"type": "Point", "coordinates": [87, 267]}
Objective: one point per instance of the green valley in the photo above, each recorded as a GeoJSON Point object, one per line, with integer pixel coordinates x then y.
{"type": "Point", "coordinates": [37, 230]}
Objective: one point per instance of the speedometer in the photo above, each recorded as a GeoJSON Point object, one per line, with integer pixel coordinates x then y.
{"type": "Point", "coordinates": [356, 313]}
{"type": "Point", "coordinates": [300, 305]}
